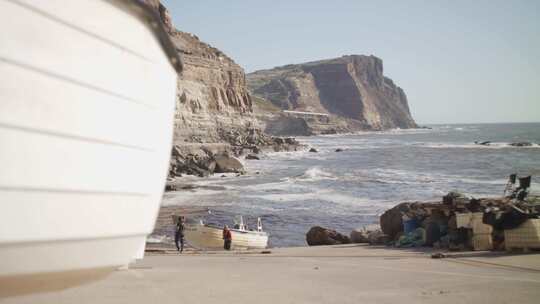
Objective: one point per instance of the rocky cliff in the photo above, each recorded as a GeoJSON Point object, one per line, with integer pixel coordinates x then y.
{"type": "Point", "coordinates": [352, 87]}
{"type": "Point", "coordinates": [214, 110]}
{"type": "Point", "coordinates": [212, 94]}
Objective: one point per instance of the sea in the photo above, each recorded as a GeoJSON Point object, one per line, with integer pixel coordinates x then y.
{"type": "Point", "coordinates": [293, 191]}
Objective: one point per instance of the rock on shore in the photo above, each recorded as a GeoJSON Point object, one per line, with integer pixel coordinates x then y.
{"type": "Point", "coordinates": [227, 164]}
{"type": "Point", "coordinates": [391, 220]}
{"type": "Point", "coordinates": [203, 159]}
{"type": "Point", "coordinates": [321, 236]}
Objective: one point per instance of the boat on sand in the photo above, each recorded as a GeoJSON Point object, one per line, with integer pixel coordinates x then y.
{"type": "Point", "coordinates": [207, 236]}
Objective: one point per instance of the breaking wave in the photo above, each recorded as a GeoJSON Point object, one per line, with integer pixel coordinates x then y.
{"type": "Point", "coordinates": [316, 174]}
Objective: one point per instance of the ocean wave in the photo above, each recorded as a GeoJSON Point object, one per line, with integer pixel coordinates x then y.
{"type": "Point", "coordinates": [284, 184]}
{"type": "Point", "coordinates": [399, 131]}
{"type": "Point", "coordinates": [326, 195]}
{"type": "Point", "coordinates": [315, 174]}
{"type": "Point", "coordinates": [322, 155]}
{"type": "Point", "coordinates": [194, 197]}
{"type": "Point", "coordinates": [406, 177]}
{"type": "Point", "coordinates": [391, 176]}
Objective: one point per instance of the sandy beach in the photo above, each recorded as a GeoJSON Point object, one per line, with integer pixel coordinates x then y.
{"type": "Point", "coordinates": [326, 274]}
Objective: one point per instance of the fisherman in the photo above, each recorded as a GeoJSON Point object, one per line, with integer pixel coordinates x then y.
{"type": "Point", "coordinates": [179, 235]}
{"type": "Point", "coordinates": [227, 238]}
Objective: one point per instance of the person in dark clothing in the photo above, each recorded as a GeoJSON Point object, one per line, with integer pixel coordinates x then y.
{"type": "Point", "coordinates": [227, 238]}
{"type": "Point", "coordinates": [179, 234]}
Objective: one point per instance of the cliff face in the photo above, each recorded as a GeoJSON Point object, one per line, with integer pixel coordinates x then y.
{"type": "Point", "coordinates": [212, 91]}
{"type": "Point", "coordinates": [213, 99]}
{"type": "Point", "coordinates": [212, 94]}
{"type": "Point", "coordinates": [214, 110]}
{"type": "Point", "coordinates": [352, 87]}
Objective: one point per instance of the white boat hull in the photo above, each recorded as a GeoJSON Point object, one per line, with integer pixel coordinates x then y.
{"type": "Point", "coordinates": [87, 99]}
{"type": "Point", "coordinates": [205, 237]}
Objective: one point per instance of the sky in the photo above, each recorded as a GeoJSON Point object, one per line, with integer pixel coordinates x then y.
{"type": "Point", "coordinates": [458, 61]}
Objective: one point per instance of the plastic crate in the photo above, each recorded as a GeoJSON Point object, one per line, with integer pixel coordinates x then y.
{"type": "Point", "coordinates": [463, 220]}
{"type": "Point", "coordinates": [478, 226]}
{"type": "Point", "coordinates": [482, 241]}
{"type": "Point", "coordinates": [527, 235]}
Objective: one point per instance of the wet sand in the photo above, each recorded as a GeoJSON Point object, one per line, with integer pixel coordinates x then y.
{"type": "Point", "coordinates": [326, 274]}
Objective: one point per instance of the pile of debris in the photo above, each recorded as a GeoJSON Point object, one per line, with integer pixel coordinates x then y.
{"type": "Point", "coordinates": [464, 223]}
{"type": "Point", "coordinates": [456, 223]}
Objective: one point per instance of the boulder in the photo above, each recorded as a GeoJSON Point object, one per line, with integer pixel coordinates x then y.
{"type": "Point", "coordinates": [252, 156]}
{"type": "Point", "coordinates": [208, 164]}
{"type": "Point", "coordinates": [278, 140]}
{"type": "Point", "coordinates": [226, 164]}
{"type": "Point", "coordinates": [377, 237]}
{"type": "Point", "coordinates": [454, 197]}
{"type": "Point", "coordinates": [291, 141]}
{"type": "Point", "coordinates": [193, 165]}
{"type": "Point", "coordinates": [483, 143]}
{"type": "Point", "coordinates": [313, 150]}
{"type": "Point", "coordinates": [171, 187]}
{"type": "Point", "coordinates": [176, 152]}
{"type": "Point", "coordinates": [321, 236]}
{"type": "Point", "coordinates": [200, 172]}
{"type": "Point", "coordinates": [391, 222]}
{"type": "Point", "coordinates": [339, 150]}
{"type": "Point", "coordinates": [359, 236]}
{"type": "Point", "coordinates": [521, 144]}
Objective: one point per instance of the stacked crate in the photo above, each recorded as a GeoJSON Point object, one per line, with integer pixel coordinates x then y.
{"type": "Point", "coordinates": [481, 239]}
{"type": "Point", "coordinates": [526, 236]}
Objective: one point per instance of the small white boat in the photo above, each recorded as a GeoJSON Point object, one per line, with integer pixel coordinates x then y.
{"type": "Point", "coordinates": [87, 100]}
{"type": "Point", "coordinates": [205, 236]}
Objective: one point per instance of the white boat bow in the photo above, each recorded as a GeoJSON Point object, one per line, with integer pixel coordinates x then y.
{"type": "Point", "coordinates": [87, 92]}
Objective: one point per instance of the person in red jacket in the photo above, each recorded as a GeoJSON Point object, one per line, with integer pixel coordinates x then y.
{"type": "Point", "coordinates": [227, 238]}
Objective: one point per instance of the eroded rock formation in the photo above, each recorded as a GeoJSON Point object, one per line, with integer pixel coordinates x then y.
{"type": "Point", "coordinates": [212, 92]}
{"type": "Point", "coordinates": [352, 87]}
{"type": "Point", "coordinates": [212, 95]}
{"type": "Point", "coordinates": [214, 118]}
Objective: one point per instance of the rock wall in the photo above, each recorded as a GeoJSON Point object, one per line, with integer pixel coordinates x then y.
{"type": "Point", "coordinates": [214, 117]}
{"type": "Point", "coordinates": [352, 87]}
{"type": "Point", "coordinates": [212, 94]}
